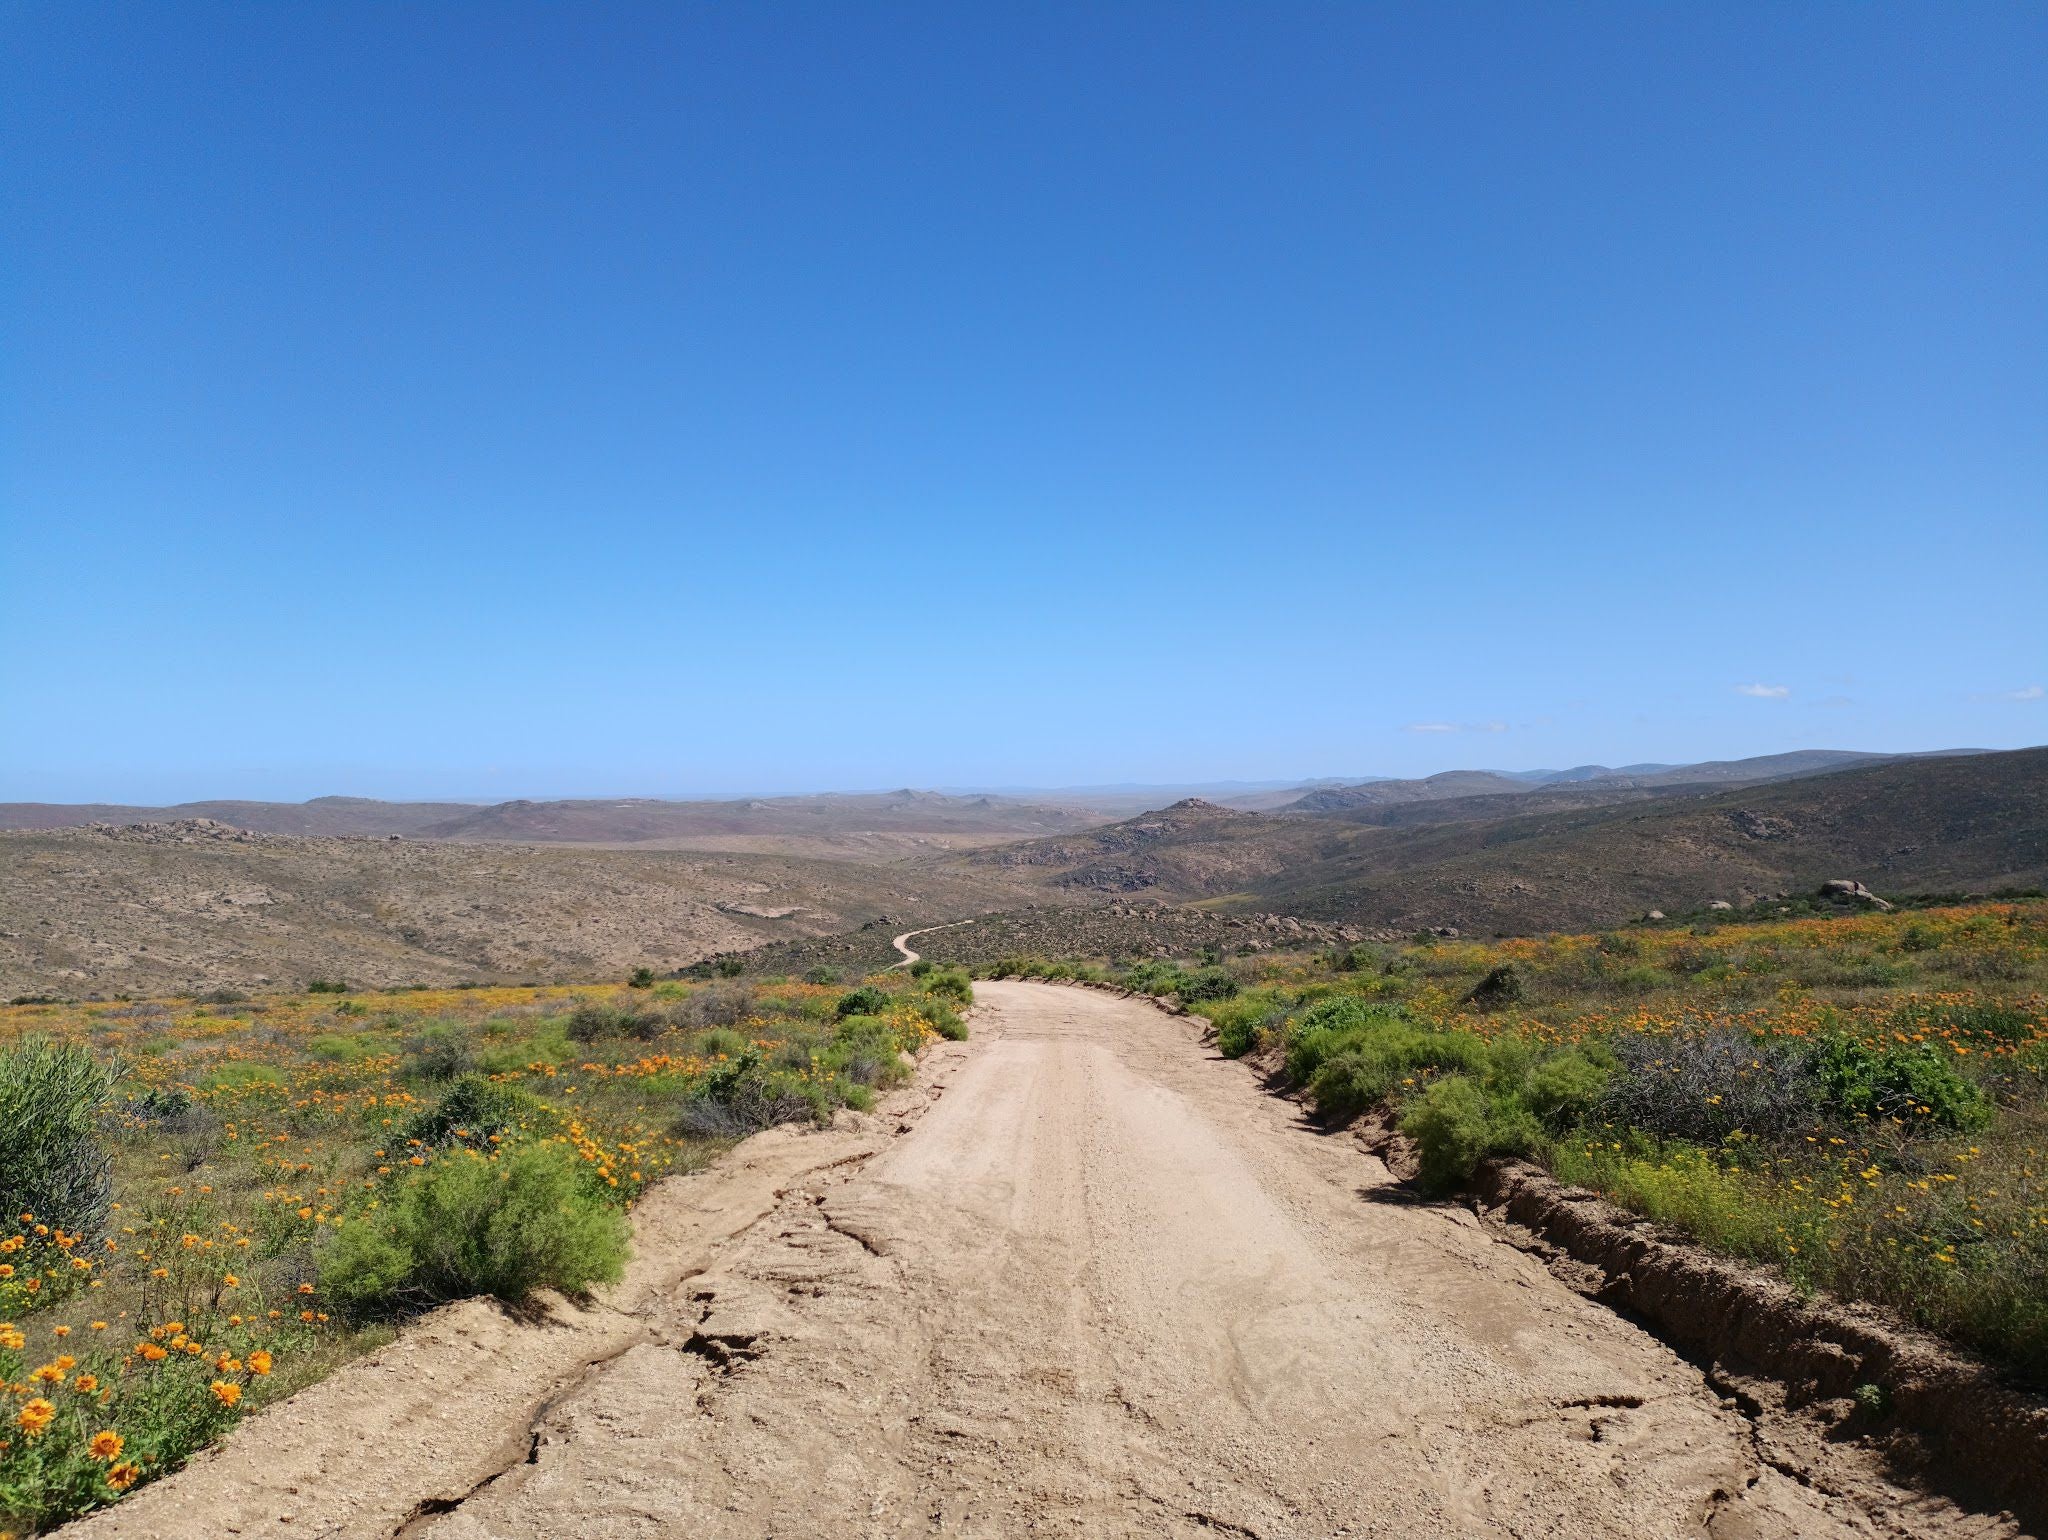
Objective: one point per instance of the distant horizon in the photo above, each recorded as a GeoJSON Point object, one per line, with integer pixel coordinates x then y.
{"type": "Point", "coordinates": [1013, 790]}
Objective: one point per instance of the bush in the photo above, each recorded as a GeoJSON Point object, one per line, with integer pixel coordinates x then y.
{"type": "Point", "coordinates": [944, 1020]}
{"type": "Point", "coordinates": [1212, 983]}
{"type": "Point", "coordinates": [743, 1095]}
{"type": "Point", "coordinates": [52, 1162]}
{"type": "Point", "coordinates": [640, 978]}
{"type": "Point", "coordinates": [1451, 1124]}
{"type": "Point", "coordinates": [1327, 1026]}
{"type": "Point", "coordinates": [1241, 1021]}
{"type": "Point", "coordinates": [822, 975]}
{"type": "Point", "coordinates": [593, 1023]}
{"type": "Point", "coordinates": [440, 1051]}
{"type": "Point", "coordinates": [720, 1005]}
{"type": "Point", "coordinates": [1915, 1085]}
{"type": "Point", "coordinates": [326, 987]}
{"type": "Point", "coordinates": [1564, 1088]}
{"type": "Point", "coordinates": [868, 1000]}
{"type": "Point", "coordinates": [471, 1111]}
{"type": "Point", "coordinates": [951, 984]}
{"type": "Point", "coordinates": [1370, 1064]}
{"type": "Point", "coordinates": [721, 1040]}
{"type": "Point", "coordinates": [467, 1225]}
{"type": "Point", "coordinates": [240, 1077]}
{"type": "Point", "coordinates": [1704, 1083]}
{"type": "Point", "coordinates": [865, 1051]}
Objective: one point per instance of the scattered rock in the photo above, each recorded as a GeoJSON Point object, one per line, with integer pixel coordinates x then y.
{"type": "Point", "coordinates": [1720, 904]}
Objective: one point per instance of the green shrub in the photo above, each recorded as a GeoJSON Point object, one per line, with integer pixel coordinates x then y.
{"type": "Point", "coordinates": [640, 978]}
{"type": "Point", "coordinates": [921, 967]}
{"type": "Point", "coordinates": [1917, 1085]}
{"type": "Point", "coordinates": [550, 1044]}
{"type": "Point", "coordinates": [866, 1052]}
{"type": "Point", "coordinates": [591, 1022]}
{"type": "Point", "coordinates": [439, 1051]}
{"type": "Point", "coordinates": [1243, 1019]}
{"type": "Point", "coordinates": [868, 1000]}
{"type": "Point", "coordinates": [1450, 1122]}
{"type": "Point", "coordinates": [53, 1163]}
{"type": "Point", "coordinates": [951, 984]}
{"type": "Point", "coordinates": [340, 1048]}
{"type": "Point", "coordinates": [743, 1095]}
{"type": "Point", "coordinates": [822, 975]}
{"type": "Point", "coordinates": [466, 1225]}
{"type": "Point", "coordinates": [1211, 983]}
{"type": "Point", "coordinates": [1327, 1026]}
{"type": "Point", "coordinates": [1370, 1063]}
{"type": "Point", "coordinates": [1564, 1088]}
{"type": "Point", "coordinates": [721, 1040]}
{"type": "Point", "coordinates": [239, 1077]}
{"type": "Point", "coordinates": [2001, 1020]}
{"type": "Point", "coordinates": [944, 1020]}
{"type": "Point", "coordinates": [472, 1110]}
{"type": "Point", "coordinates": [326, 987]}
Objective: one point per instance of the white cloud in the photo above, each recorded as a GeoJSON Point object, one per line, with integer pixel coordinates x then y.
{"type": "Point", "coordinates": [2029, 692]}
{"type": "Point", "coordinates": [1432, 727]}
{"type": "Point", "coordinates": [1456, 727]}
{"type": "Point", "coordinates": [1764, 691]}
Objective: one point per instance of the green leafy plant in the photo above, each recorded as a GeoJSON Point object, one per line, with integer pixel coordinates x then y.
{"type": "Point", "coordinates": [53, 1162]}
{"type": "Point", "coordinates": [466, 1225]}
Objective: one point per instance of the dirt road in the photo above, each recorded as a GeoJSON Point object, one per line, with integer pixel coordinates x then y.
{"type": "Point", "coordinates": [902, 942]}
{"type": "Point", "coordinates": [1094, 1282]}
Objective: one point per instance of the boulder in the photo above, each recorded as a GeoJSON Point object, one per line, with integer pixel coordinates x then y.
{"type": "Point", "coordinates": [1846, 890]}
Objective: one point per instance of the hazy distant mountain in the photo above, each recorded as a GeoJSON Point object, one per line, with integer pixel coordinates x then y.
{"type": "Point", "coordinates": [596, 821]}
{"type": "Point", "coordinates": [322, 815]}
{"type": "Point", "coordinates": [1371, 796]}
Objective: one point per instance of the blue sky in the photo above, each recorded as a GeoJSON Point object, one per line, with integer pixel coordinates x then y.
{"type": "Point", "coordinates": [505, 400]}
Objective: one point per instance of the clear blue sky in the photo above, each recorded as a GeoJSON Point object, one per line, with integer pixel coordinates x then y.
{"type": "Point", "coordinates": [501, 399]}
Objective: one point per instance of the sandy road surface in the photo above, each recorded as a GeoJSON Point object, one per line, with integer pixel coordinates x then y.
{"type": "Point", "coordinates": [1094, 1282]}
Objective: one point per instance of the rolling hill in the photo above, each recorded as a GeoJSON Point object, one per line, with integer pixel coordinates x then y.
{"type": "Point", "coordinates": [1905, 825]}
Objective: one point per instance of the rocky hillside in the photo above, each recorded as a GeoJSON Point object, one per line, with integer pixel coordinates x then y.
{"type": "Point", "coordinates": [1907, 825]}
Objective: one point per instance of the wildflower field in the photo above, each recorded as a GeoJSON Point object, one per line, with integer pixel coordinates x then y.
{"type": "Point", "coordinates": [1857, 1098]}
{"type": "Point", "coordinates": [211, 1202]}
